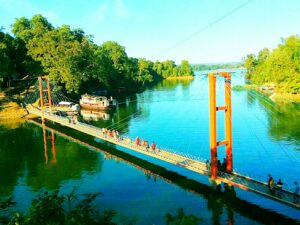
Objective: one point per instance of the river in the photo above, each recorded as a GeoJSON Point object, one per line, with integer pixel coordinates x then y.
{"type": "Point", "coordinates": [174, 114]}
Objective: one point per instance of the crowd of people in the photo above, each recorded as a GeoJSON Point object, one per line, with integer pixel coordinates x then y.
{"type": "Point", "coordinates": [138, 142]}
{"type": "Point", "coordinates": [221, 166]}
{"type": "Point", "coordinates": [111, 133]}
{"type": "Point", "coordinates": [145, 143]}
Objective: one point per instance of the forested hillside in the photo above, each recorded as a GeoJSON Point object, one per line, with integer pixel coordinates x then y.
{"type": "Point", "coordinates": [215, 66]}
{"type": "Point", "coordinates": [73, 60]}
{"type": "Point", "coordinates": [279, 67]}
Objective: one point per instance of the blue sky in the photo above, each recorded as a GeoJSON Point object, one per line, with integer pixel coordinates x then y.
{"type": "Point", "coordinates": [147, 28]}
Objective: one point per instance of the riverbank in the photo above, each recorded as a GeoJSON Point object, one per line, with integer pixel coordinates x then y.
{"type": "Point", "coordinates": [12, 115]}
{"type": "Point", "coordinates": [181, 78]}
{"type": "Point", "coordinates": [269, 91]}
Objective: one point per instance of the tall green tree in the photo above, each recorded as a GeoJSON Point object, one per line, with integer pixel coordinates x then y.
{"type": "Point", "coordinates": [144, 71]}
{"type": "Point", "coordinates": [6, 63]}
{"type": "Point", "coordinates": [280, 67]}
{"type": "Point", "coordinates": [65, 54]}
{"type": "Point", "coordinates": [185, 68]}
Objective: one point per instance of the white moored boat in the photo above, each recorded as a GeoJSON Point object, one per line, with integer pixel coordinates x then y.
{"type": "Point", "coordinates": [64, 107]}
{"type": "Point", "coordinates": [97, 102]}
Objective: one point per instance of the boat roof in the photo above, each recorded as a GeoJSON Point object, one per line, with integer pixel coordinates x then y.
{"type": "Point", "coordinates": [65, 103]}
{"type": "Point", "coordinates": [93, 96]}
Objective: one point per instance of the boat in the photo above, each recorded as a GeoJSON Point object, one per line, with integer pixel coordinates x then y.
{"type": "Point", "coordinates": [66, 108]}
{"type": "Point", "coordinates": [97, 102]}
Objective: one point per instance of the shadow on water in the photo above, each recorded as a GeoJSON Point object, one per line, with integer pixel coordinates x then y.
{"type": "Point", "coordinates": [216, 199]}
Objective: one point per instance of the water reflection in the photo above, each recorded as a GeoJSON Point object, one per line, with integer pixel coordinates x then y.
{"type": "Point", "coordinates": [172, 84]}
{"type": "Point", "coordinates": [283, 120]}
{"type": "Point", "coordinates": [214, 202]}
{"type": "Point", "coordinates": [95, 115]}
{"type": "Point", "coordinates": [47, 163]}
{"type": "Point", "coordinates": [221, 204]}
{"type": "Point", "coordinates": [119, 119]}
{"type": "Point", "coordinates": [284, 124]}
{"type": "Point", "coordinates": [12, 157]}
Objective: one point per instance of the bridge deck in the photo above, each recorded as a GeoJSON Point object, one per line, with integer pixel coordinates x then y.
{"type": "Point", "coordinates": [238, 180]}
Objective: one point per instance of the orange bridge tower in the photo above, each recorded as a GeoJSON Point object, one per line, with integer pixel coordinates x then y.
{"type": "Point", "coordinates": [213, 122]}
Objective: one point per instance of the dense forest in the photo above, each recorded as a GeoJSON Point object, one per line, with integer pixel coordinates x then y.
{"type": "Point", "coordinates": [216, 66]}
{"type": "Point", "coordinates": [279, 67]}
{"type": "Point", "coordinates": [73, 61]}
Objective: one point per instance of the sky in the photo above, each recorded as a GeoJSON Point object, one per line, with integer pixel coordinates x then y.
{"type": "Point", "coordinates": [152, 29]}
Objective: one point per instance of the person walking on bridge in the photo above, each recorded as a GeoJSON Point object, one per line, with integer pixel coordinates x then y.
{"type": "Point", "coordinates": [137, 141]}
{"type": "Point", "coordinates": [270, 181]}
{"type": "Point", "coordinates": [279, 186]}
{"type": "Point", "coordinates": [153, 146]}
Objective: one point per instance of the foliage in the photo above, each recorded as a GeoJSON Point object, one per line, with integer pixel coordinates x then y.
{"type": "Point", "coordinates": [5, 204]}
{"type": "Point", "coordinates": [74, 61]}
{"type": "Point", "coordinates": [181, 219]}
{"type": "Point", "coordinates": [15, 62]}
{"type": "Point", "coordinates": [197, 67]}
{"type": "Point", "coordinates": [280, 66]}
{"type": "Point", "coordinates": [5, 65]}
{"type": "Point", "coordinates": [48, 208]}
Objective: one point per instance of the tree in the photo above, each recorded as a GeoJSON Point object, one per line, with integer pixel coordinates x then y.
{"type": "Point", "coordinates": [280, 67]}
{"type": "Point", "coordinates": [250, 64]}
{"type": "Point", "coordinates": [181, 219]}
{"type": "Point", "coordinates": [65, 54]}
{"type": "Point", "coordinates": [114, 62]}
{"type": "Point", "coordinates": [6, 64]}
{"type": "Point", "coordinates": [72, 60]}
{"type": "Point", "coordinates": [168, 66]}
{"type": "Point", "coordinates": [185, 69]}
{"type": "Point", "coordinates": [144, 71]}
{"type": "Point", "coordinates": [49, 208]}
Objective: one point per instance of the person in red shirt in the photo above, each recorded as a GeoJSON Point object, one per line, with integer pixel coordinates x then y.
{"type": "Point", "coordinates": [153, 146]}
{"type": "Point", "coordinates": [137, 141]}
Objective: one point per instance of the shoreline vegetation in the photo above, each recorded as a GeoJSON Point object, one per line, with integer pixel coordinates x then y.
{"type": "Point", "coordinates": [74, 62]}
{"type": "Point", "coordinates": [72, 209]}
{"type": "Point", "coordinates": [12, 115]}
{"type": "Point", "coordinates": [268, 90]}
{"type": "Point", "coordinates": [277, 72]}
{"type": "Point", "coordinates": [181, 78]}
{"type": "Point", "coordinates": [217, 66]}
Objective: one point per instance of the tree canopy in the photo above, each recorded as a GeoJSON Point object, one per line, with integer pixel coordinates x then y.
{"type": "Point", "coordinates": [280, 67]}
{"type": "Point", "coordinates": [73, 61]}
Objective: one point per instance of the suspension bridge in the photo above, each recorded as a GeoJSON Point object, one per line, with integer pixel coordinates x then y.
{"type": "Point", "coordinates": [43, 101]}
